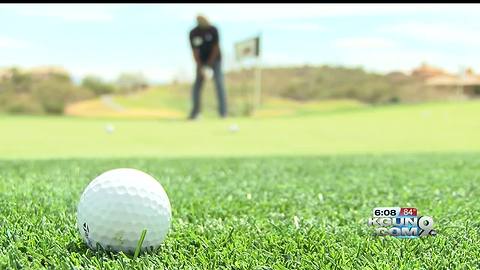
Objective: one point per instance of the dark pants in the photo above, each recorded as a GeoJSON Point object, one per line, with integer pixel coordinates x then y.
{"type": "Point", "coordinates": [197, 88]}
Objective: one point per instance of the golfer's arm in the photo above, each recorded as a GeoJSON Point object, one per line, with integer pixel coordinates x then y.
{"type": "Point", "coordinates": [196, 56]}
{"type": "Point", "coordinates": [214, 54]}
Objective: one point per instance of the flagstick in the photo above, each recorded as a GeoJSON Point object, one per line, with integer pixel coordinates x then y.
{"type": "Point", "coordinates": [258, 85]}
{"type": "Point", "coordinates": [258, 76]}
{"type": "Point", "coordinates": [243, 50]}
{"type": "Point", "coordinates": [460, 85]}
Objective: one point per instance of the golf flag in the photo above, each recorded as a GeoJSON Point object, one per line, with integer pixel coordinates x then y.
{"type": "Point", "coordinates": [247, 48]}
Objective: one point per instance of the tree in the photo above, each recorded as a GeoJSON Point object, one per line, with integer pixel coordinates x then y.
{"type": "Point", "coordinates": [20, 82]}
{"type": "Point", "coordinates": [97, 85]}
{"type": "Point", "coordinates": [131, 82]}
{"type": "Point", "coordinates": [54, 94]}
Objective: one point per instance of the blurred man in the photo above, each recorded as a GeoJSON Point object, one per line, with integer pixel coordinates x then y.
{"type": "Point", "coordinates": [206, 52]}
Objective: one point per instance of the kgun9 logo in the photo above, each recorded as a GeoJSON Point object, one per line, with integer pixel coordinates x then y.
{"type": "Point", "coordinates": [401, 222]}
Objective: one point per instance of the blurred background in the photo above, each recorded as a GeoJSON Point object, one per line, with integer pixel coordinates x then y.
{"type": "Point", "coordinates": [324, 70]}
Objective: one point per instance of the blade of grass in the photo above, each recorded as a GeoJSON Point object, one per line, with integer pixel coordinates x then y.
{"type": "Point", "coordinates": [139, 244]}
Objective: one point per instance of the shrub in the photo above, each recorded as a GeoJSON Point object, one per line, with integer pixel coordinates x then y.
{"type": "Point", "coordinates": [37, 93]}
{"type": "Point", "coordinates": [97, 85]}
{"type": "Point", "coordinates": [22, 104]}
{"type": "Point", "coordinates": [476, 90]}
{"type": "Point", "coordinates": [131, 82]}
{"type": "Point", "coordinates": [53, 94]}
{"type": "Point", "coordinates": [17, 83]}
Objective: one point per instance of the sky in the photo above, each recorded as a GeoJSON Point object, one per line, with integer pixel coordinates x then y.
{"type": "Point", "coordinates": [108, 39]}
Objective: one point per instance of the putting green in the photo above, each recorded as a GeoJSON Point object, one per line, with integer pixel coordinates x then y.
{"type": "Point", "coordinates": [434, 127]}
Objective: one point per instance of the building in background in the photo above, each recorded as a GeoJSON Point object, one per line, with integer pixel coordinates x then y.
{"type": "Point", "coordinates": [466, 83]}
{"type": "Point", "coordinates": [425, 71]}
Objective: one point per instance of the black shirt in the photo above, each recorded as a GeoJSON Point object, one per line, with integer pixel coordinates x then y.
{"type": "Point", "coordinates": [203, 39]}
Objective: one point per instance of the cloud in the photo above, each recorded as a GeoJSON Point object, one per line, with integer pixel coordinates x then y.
{"type": "Point", "coordinates": [112, 72]}
{"type": "Point", "coordinates": [272, 58]}
{"type": "Point", "coordinates": [396, 58]}
{"type": "Point", "coordinates": [437, 32]}
{"type": "Point", "coordinates": [11, 43]}
{"type": "Point", "coordinates": [158, 74]}
{"type": "Point", "coordinates": [78, 72]}
{"type": "Point", "coordinates": [298, 26]}
{"type": "Point", "coordinates": [73, 13]}
{"type": "Point", "coordinates": [259, 13]}
{"type": "Point", "coordinates": [364, 43]}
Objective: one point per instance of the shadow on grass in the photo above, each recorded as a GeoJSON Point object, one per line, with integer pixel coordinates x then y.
{"type": "Point", "coordinates": [81, 248]}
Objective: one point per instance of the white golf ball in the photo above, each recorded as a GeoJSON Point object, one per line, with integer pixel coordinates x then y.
{"type": "Point", "coordinates": [109, 128]}
{"type": "Point", "coordinates": [234, 128]}
{"type": "Point", "coordinates": [118, 205]}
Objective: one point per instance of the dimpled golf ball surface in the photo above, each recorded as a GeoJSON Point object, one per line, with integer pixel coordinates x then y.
{"type": "Point", "coordinates": [118, 205]}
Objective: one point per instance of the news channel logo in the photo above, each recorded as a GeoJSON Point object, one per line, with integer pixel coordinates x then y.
{"type": "Point", "coordinates": [401, 222]}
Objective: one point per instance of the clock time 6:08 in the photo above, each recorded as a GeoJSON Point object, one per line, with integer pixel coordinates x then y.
{"type": "Point", "coordinates": [386, 211]}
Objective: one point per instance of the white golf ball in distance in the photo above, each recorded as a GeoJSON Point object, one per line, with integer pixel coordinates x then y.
{"type": "Point", "coordinates": [234, 128]}
{"type": "Point", "coordinates": [109, 128]}
{"type": "Point", "coordinates": [118, 205]}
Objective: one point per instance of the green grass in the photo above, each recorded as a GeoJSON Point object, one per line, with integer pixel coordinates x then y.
{"type": "Point", "coordinates": [160, 97]}
{"type": "Point", "coordinates": [239, 213]}
{"type": "Point", "coordinates": [235, 196]}
{"type": "Point", "coordinates": [174, 102]}
{"type": "Point", "coordinates": [437, 127]}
